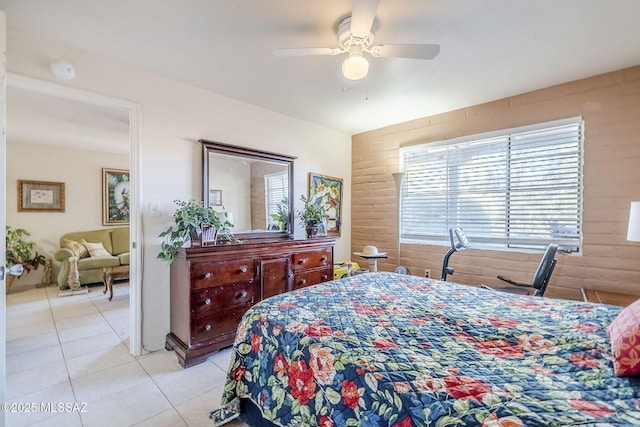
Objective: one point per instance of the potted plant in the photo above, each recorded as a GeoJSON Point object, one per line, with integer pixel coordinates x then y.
{"type": "Point", "coordinates": [19, 253]}
{"type": "Point", "coordinates": [192, 218]}
{"type": "Point", "coordinates": [310, 216]}
{"type": "Point", "coordinates": [282, 214]}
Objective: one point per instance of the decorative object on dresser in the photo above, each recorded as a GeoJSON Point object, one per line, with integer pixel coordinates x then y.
{"type": "Point", "coordinates": [213, 286]}
{"type": "Point", "coordinates": [196, 223]}
{"type": "Point", "coordinates": [310, 216]}
{"type": "Point", "coordinates": [326, 192]}
{"type": "Point", "coordinates": [280, 216]}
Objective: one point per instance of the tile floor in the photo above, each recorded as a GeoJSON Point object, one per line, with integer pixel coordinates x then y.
{"type": "Point", "coordinates": [75, 349]}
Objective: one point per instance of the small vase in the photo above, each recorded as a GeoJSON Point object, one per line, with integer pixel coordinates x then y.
{"type": "Point", "coordinates": [196, 239]}
{"type": "Point", "coordinates": [312, 231]}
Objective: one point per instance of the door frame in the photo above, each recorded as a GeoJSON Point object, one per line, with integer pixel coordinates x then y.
{"type": "Point", "coordinates": [3, 213]}
{"type": "Point", "coordinates": [135, 222]}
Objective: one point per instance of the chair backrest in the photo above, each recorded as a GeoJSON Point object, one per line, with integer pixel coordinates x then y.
{"type": "Point", "coordinates": [545, 269]}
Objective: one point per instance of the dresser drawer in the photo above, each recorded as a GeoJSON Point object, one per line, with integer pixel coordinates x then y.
{"type": "Point", "coordinates": [311, 259]}
{"type": "Point", "coordinates": [312, 277]}
{"type": "Point", "coordinates": [213, 326]}
{"type": "Point", "coordinates": [208, 274]}
{"type": "Point", "coordinates": [223, 297]}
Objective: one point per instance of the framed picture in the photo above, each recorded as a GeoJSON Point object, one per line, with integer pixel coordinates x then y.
{"type": "Point", "coordinates": [215, 197]}
{"type": "Point", "coordinates": [327, 192]}
{"type": "Point", "coordinates": [40, 196]}
{"type": "Point", "coordinates": [115, 197]}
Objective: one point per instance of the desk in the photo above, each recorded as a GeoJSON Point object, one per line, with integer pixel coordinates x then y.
{"type": "Point", "coordinates": [109, 274]}
{"type": "Point", "coordinates": [604, 297]}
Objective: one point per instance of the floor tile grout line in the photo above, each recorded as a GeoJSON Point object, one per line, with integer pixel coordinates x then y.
{"type": "Point", "coordinates": [51, 297]}
{"type": "Point", "coordinates": [163, 393]}
{"type": "Point", "coordinates": [50, 302]}
{"type": "Point", "coordinates": [64, 357]}
{"type": "Point", "coordinates": [66, 362]}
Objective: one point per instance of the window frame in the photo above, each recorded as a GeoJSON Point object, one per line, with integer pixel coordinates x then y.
{"type": "Point", "coordinates": [487, 242]}
{"type": "Point", "coordinates": [267, 193]}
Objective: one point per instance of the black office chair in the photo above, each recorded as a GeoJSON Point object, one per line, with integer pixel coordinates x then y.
{"type": "Point", "coordinates": [540, 278]}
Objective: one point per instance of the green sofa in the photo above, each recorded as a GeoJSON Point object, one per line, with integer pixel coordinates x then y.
{"type": "Point", "coordinates": [114, 240]}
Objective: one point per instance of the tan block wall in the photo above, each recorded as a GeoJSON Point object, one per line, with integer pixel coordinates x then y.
{"type": "Point", "coordinates": [610, 107]}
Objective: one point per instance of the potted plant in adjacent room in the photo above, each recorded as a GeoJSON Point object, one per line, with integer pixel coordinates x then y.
{"type": "Point", "coordinates": [193, 220]}
{"type": "Point", "coordinates": [310, 216]}
{"type": "Point", "coordinates": [20, 260]}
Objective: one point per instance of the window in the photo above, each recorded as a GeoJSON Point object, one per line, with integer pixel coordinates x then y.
{"type": "Point", "coordinates": [519, 188]}
{"type": "Point", "coordinates": [276, 190]}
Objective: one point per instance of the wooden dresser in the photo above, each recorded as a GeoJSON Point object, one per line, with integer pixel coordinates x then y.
{"type": "Point", "coordinates": [213, 286]}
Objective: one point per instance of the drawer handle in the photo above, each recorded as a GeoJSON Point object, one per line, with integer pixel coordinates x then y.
{"type": "Point", "coordinates": [208, 275]}
{"type": "Point", "coordinates": [242, 294]}
{"type": "Point", "coordinates": [243, 269]}
{"type": "Point", "coordinates": [207, 327]}
{"type": "Point", "coordinates": [303, 281]}
{"type": "Point", "coordinates": [302, 261]}
{"type": "Point", "coordinates": [325, 277]}
{"type": "Point", "coordinates": [207, 301]}
{"type": "Point", "coordinates": [324, 258]}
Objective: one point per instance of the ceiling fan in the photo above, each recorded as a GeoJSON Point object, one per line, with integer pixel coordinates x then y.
{"type": "Point", "coordinates": [355, 38]}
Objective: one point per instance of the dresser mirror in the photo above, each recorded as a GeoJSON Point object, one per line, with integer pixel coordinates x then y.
{"type": "Point", "coordinates": [254, 187]}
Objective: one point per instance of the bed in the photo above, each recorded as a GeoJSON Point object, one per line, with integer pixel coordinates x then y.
{"type": "Point", "coordinates": [383, 349]}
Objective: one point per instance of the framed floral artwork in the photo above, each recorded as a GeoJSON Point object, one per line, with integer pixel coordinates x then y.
{"type": "Point", "coordinates": [326, 192]}
{"type": "Point", "coordinates": [115, 197]}
{"type": "Point", "coordinates": [40, 196]}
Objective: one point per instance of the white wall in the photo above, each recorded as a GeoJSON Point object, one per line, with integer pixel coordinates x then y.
{"type": "Point", "coordinates": [81, 172]}
{"type": "Point", "coordinates": [173, 117]}
{"type": "Point", "coordinates": [233, 177]}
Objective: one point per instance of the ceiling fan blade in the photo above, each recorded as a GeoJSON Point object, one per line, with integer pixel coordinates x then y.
{"type": "Point", "coordinates": [416, 51]}
{"type": "Point", "coordinates": [362, 17]}
{"type": "Point", "coordinates": [306, 51]}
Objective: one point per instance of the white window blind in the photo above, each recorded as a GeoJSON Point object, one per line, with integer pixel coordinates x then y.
{"type": "Point", "coordinates": [517, 188]}
{"type": "Point", "coordinates": [276, 191]}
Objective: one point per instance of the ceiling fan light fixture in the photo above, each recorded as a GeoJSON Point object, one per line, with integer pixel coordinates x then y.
{"type": "Point", "coordinates": [355, 67]}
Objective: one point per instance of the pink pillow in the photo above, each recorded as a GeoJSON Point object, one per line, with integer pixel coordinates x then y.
{"type": "Point", "coordinates": [624, 333]}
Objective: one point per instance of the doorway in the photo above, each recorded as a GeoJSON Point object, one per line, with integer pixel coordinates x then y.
{"type": "Point", "coordinates": [118, 121]}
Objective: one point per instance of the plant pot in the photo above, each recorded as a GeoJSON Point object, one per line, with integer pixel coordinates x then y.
{"type": "Point", "coordinates": [196, 239]}
{"type": "Point", "coordinates": [312, 231]}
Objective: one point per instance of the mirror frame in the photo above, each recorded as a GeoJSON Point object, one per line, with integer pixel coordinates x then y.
{"type": "Point", "coordinates": [209, 147]}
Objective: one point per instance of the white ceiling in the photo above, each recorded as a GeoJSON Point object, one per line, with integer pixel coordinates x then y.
{"type": "Point", "coordinates": [50, 119]}
{"type": "Point", "coordinates": [490, 49]}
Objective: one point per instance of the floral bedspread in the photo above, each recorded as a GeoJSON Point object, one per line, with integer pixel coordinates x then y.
{"type": "Point", "coordinates": [382, 349]}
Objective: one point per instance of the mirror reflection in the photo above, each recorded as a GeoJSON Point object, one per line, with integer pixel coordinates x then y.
{"type": "Point", "coordinates": [252, 186]}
